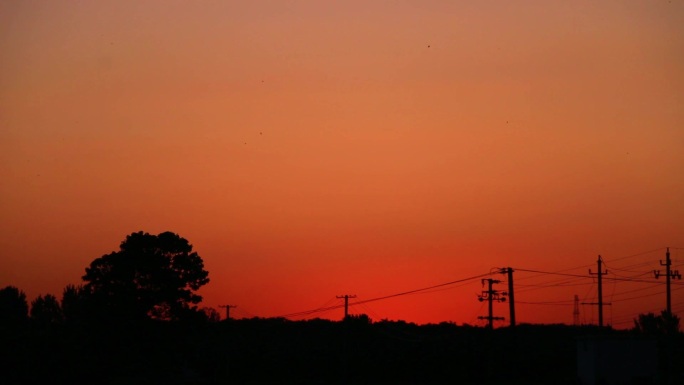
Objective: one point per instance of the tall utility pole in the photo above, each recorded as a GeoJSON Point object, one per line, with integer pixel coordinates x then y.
{"type": "Point", "coordinates": [668, 274]}
{"type": "Point", "coordinates": [346, 303]}
{"type": "Point", "coordinates": [600, 288]}
{"type": "Point", "coordinates": [491, 295]}
{"type": "Point", "coordinates": [575, 312]}
{"type": "Point", "coordinates": [511, 297]}
{"type": "Point", "coordinates": [227, 307]}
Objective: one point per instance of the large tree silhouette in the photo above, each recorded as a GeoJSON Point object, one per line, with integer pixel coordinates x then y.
{"type": "Point", "coordinates": [150, 276]}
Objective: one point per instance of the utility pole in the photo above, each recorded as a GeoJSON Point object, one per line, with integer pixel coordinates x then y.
{"type": "Point", "coordinates": [491, 295]}
{"type": "Point", "coordinates": [575, 312]}
{"type": "Point", "coordinates": [511, 297]}
{"type": "Point", "coordinates": [346, 303]}
{"type": "Point", "coordinates": [600, 289]}
{"type": "Point", "coordinates": [668, 274]}
{"type": "Point", "coordinates": [227, 307]}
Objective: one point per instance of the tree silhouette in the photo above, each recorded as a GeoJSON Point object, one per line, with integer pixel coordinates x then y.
{"type": "Point", "coordinates": [152, 276]}
{"type": "Point", "coordinates": [358, 319]}
{"type": "Point", "coordinates": [45, 310]}
{"type": "Point", "coordinates": [74, 306]}
{"type": "Point", "coordinates": [13, 306]}
{"type": "Point", "coordinates": [211, 314]}
{"type": "Point", "coordinates": [649, 323]}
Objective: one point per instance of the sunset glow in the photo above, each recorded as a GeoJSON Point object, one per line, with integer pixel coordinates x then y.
{"type": "Point", "coordinates": [313, 149]}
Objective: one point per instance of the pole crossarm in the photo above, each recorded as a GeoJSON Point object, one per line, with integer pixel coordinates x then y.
{"type": "Point", "coordinates": [669, 275]}
{"type": "Point", "coordinates": [228, 307]}
{"type": "Point", "coordinates": [490, 295]}
{"type": "Point", "coordinates": [346, 303]}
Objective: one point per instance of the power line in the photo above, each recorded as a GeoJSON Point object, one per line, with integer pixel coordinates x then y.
{"type": "Point", "coordinates": [327, 308]}
{"type": "Point", "coordinates": [551, 273]}
{"type": "Point", "coordinates": [636, 255]}
{"type": "Point", "coordinates": [641, 296]}
{"type": "Point", "coordinates": [550, 303]}
{"type": "Point", "coordinates": [563, 282]}
{"type": "Point", "coordinates": [607, 278]}
{"type": "Point", "coordinates": [565, 278]}
{"type": "Point", "coordinates": [629, 268]}
{"type": "Point", "coordinates": [590, 265]}
{"type": "Point", "coordinates": [326, 304]}
{"type": "Point", "coordinates": [641, 289]}
{"type": "Point", "coordinates": [423, 289]}
{"type": "Point", "coordinates": [370, 311]}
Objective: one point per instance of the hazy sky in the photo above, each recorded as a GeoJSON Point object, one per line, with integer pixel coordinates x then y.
{"type": "Point", "coordinates": [309, 149]}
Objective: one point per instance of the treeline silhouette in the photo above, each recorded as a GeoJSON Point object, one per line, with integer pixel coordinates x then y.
{"type": "Point", "coordinates": [279, 351]}
{"type": "Point", "coordinates": [135, 320]}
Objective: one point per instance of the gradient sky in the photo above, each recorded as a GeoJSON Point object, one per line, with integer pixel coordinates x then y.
{"type": "Point", "coordinates": [309, 149]}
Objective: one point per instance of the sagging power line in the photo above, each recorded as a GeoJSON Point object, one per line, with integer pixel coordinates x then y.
{"type": "Point", "coordinates": [570, 279]}
{"type": "Point", "coordinates": [409, 292]}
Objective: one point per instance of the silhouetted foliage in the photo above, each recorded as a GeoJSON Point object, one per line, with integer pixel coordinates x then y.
{"type": "Point", "coordinates": [74, 303]}
{"type": "Point", "coordinates": [318, 351]}
{"type": "Point", "coordinates": [211, 314]}
{"type": "Point", "coordinates": [358, 319]}
{"type": "Point", "coordinates": [13, 306]}
{"type": "Point", "coordinates": [153, 276]}
{"type": "Point", "coordinates": [45, 310]}
{"type": "Point", "coordinates": [649, 323]}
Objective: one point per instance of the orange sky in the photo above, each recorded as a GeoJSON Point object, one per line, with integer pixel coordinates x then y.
{"type": "Point", "coordinates": [310, 149]}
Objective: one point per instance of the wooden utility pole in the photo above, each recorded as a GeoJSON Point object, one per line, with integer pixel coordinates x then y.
{"type": "Point", "coordinates": [227, 307]}
{"type": "Point", "coordinates": [600, 274]}
{"type": "Point", "coordinates": [490, 296]}
{"type": "Point", "coordinates": [511, 297]}
{"type": "Point", "coordinates": [668, 275]}
{"type": "Point", "coordinates": [346, 303]}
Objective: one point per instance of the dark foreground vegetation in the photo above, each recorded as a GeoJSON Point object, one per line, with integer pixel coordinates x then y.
{"type": "Point", "coordinates": [276, 351]}
{"type": "Point", "coordinates": [134, 319]}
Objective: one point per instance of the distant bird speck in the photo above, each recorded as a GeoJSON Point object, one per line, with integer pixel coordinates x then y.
{"type": "Point", "coordinates": [428, 45]}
